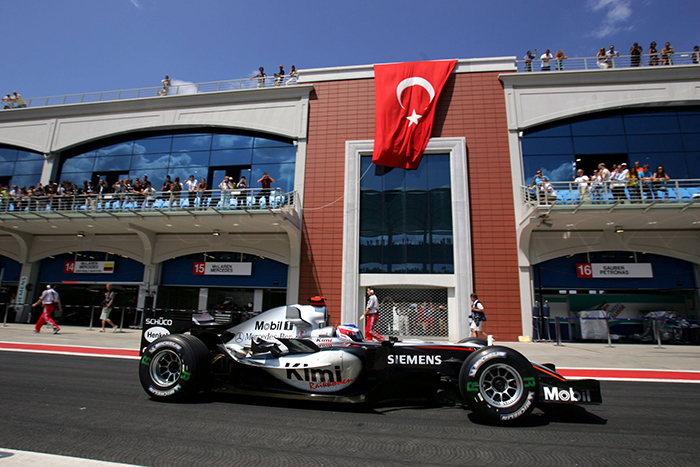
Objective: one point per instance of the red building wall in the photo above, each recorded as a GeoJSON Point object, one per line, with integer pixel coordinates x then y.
{"type": "Point", "coordinates": [471, 105]}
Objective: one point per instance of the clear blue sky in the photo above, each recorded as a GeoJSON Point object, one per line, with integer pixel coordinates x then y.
{"type": "Point", "coordinates": [73, 46]}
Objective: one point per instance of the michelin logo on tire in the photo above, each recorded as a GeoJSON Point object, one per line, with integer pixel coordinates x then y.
{"type": "Point", "coordinates": [154, 333]}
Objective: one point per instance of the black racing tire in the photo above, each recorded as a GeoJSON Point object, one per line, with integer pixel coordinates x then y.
{"type": "Point", "coordinates": [499, 385]}
{"type": "Point", "coordinates": [173, 367]}
{"type": "Point", "coordinates": [474, 340]}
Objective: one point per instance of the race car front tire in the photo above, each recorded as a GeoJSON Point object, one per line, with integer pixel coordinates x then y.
{"type": "Point", "coordinates": [173, 367]}
{"type": "Point", "coordinates": [499, 385]}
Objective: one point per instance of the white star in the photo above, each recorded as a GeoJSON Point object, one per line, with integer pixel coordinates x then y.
{"type": "Point", "coordinates": [413, 119]}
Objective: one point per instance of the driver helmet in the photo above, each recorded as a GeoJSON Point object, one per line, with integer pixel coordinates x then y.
{"type": "Point", "coordinates": [349, 332]}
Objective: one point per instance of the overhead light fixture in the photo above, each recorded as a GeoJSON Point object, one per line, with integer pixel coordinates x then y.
{"type": "Point", "coordinates": [81, 234]}
{"type": "Point", "coordinates": [216, 233]}
{"type": "Point", "coordinates": [619, 230]}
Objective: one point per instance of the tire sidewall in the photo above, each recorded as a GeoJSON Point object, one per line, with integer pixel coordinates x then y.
{"type": "Point", "coordinates": [190, 352]}
{"type": "Point", "coordinates": [488, 360]}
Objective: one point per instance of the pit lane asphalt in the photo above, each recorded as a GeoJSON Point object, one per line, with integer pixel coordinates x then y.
{"type": "Point", "coordinates": [95, 408]}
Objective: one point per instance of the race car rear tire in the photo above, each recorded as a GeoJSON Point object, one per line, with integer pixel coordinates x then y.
{"type": "Point", "coordinates": [474, 340]}
{"type": "Point", "coordinates": [173, 367]}
{"type": "Point", "coordinates": [499, 385]}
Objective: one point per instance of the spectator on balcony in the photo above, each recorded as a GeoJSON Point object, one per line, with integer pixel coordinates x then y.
{"type": "Point", "coordinates": [610, 56]}
{"type": "Point", "coordinates": [645, 176]}
{"type": "Point", "coordinates": [167, 184]}
{"type": "Point", "coordinates": [265, 181]}
{"type": "Point", "coordinates": [279, 77]}
{"type": "Point", "coordinates": [695, 56]}
{"type": "Point", "coordinates": [225, 187]}
{"type": "Point", "coordinates": [634, 187]}
{"type": "Point", "coordinates": [9, 102]}
{"type": "Point", "coordinates": [653, 54]}
{"type": "Point", "coordinates": [242, 187]}
{"type": "Point", "coordinates": [261, 77]}
{"type": "Point", "coordinates": [528, 58]}
{"type": "Point", "coordinates": [636, 54]}
{"type": "Point", "coordinates": [149, 194]}
{"type": "Point", "coordinates": [175, 189]}
{"type": "Point", "coordinates": [166, 86]}
{"type": "Point", "coordinates": [601, 58]}
{"type": "Point", "coordinates": [666, 54]}
{"type": "Point", "coordinates": [658, 183]}
{"type": "Point", "coordinates": [202, 192]}
{"type": "Point", "coordinates": [14, 198]}
{"type": "Point", "coordinates": [21, 104]}
{"type": "Point", "coordinates": [293, 76]}
{"type": "Point", "coordinates": [619, 182]}
{"type": "Point", "coordinates": [191, 185]}
{"type": "Point", "coordinates": [40, 197]}
{"type": "Point", "coordinates": [582, 182]}
{"type": "Point", "coordinates": [560, 57]}
{"type": "Point", "coordinates": [545, 58]}
{"type": "Point", "coordinates": [4, 198]}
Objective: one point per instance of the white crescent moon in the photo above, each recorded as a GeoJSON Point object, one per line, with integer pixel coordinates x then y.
{"type": "Point", "coordinates": [414, 81]}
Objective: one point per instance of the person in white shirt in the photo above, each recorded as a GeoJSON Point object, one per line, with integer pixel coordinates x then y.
{"type": "Point", "coordinates": [619, 182]}
{"type": "Point", "coordinates": [191, 185]}
{"type": "Point", "coordinates": [581, 182]}
{"type": "Point", "coordinates": [50, 300]}
{"type": "Point", "coordinates": [371, 315]}
{"type": "Point", "coordinates": [545, 58]}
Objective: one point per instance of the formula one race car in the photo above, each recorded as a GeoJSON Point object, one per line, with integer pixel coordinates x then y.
{"type": "Point", "coordinates": [287, 352]}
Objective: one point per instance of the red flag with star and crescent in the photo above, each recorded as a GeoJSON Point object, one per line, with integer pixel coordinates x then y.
{"type": "Point", "coordinates": [406, 95]}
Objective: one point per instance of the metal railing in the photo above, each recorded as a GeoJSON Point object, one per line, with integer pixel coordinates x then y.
{"type": "Point", "coordinates": [607, 63]}
{"type": "Point", "coordinates": [159, 91]}
{"type": "Point", "coordinates": [220, 200]}
{"type": "Point", "coordinates": [607, 193]}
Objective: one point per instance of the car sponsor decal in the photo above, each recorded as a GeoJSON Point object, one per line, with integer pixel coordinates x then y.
{"type": "Point", "coordinates": [518, 413]}
{"type": "Point", "coordinates": [555, 394]}
{"type": "Point", "coordinates": [167, 393]}
{"type": "Point", "coordinates": [529, 382]}
{"type": "Point", "coordinates": [274, 326]}
{"type": "Point", "coordinates": [154, 333]}
{"type": "Point", "coordinates": [485, 358]}
{"type": "Point", "coordinates": [158, 345]}
{"type": "Point", "coordinates": [159, 321]}
{"type": "Point", "coordinates": [414, 360]}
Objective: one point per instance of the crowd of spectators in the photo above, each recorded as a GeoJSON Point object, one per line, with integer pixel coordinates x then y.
{"type": "Point", "coordinates": [68, 195]}
{"type": "Point", "coordinates": [623, 184]}
{"type": "Point", "coordinates": [606, 59]}
{"type": "Point", "coordinates": [13, 101]}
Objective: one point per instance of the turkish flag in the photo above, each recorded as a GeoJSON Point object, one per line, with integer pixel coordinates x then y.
{"type": "Point", "coordinates": [406, 95]}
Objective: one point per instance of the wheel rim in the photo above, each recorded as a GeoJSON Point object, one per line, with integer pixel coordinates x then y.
{"type": "Point", "coordinates": [166, 368]}
{"type": "Point", "coordinates": [501, 385]}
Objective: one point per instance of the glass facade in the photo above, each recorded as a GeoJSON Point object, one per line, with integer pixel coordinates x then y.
{"type": "Point", "coordinates": [406, 219]}
{"type": "Point", "coordinates": [204, 155]}
{"type": "Point", "coordinates": [669, 137]}
{"type": "Point", "coordinates": [20, 167]}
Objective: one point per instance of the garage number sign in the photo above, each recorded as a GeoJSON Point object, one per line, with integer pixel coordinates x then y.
{"type": "Point", "coordinates": [210, 268]}
{"type": "Point", "coordinates": [614, 271]}
{"type": "Point", "coordinates": [88, 267]}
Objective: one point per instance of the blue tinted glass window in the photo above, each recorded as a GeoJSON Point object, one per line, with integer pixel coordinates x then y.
{"type": "Point", "coordinates": [108, 164]}
{"type": "Point", "coordinates": [153, 145]}
{"type": "Point", "coordinates": [79, 164]}
{"type": "Point", "coordinates": [29, 155]}
{"type": "Point", "coordinates": [185, 159]}
{"type": "Point", "coordinates": [24, 180]}
{"type": "Point", "coordinates": [191, 143]}
{"type": "Point", "coordinates": [6, 169]}
{"type": "Point", "coordinates": [119, 149]}
{"type": "Point", "coordinates": [691, 141]}
{"type": "Point", "coordinates": [29, 167]}
{"type": "Point", "coordinates": [661, 123]}
{"type": "Point", "coordinates": [600, 145]}
{"type": "Point", "coordinates": [283, 174]}
{"type": "Point", "coordinates": [654, 143]}
{"type": "Point", "coordinates": [557, 168]}
{"type": "Point", "coordinates": [78, 177]}
{"type": "Point", "coordinates": [545, 146]}
{"type": "Point", "coordinates": [268, 143]}
{"type": "Point", "coordinates": [148, 161]}
{"type": "Point", "coordinates": [272, 155]}
{"type": "Point", "coordinates": [689, 123]}
{"type": "Point", "coordinates": [398, 208]}
{"type": "Point", "coordinates": [598, 127]}
{"type": "Point", "coordinates": [560, 130]}
{"type": "Point", "coordinates": [673, 163]}
{"type": "Point", "coordinates": [231, 142]}
{"type": "Point", "coordinates": [231, 157]}
{"type": "Point", "coordinates": [693, 165]}
{"type": "Point", "coordinates": [8, 155]}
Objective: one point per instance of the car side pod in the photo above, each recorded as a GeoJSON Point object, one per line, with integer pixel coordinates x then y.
{"type": "Point", "coordinates": [499, 385]}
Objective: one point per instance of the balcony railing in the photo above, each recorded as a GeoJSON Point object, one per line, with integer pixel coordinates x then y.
{"type": "Point", "coordinates": [608, 63]}
{"type": "Point", "coordinates": [243, 200]}
{"type": "Point", "coordinates": [605, 193]}
{"type": "Point", "coordinates": [174, 90]}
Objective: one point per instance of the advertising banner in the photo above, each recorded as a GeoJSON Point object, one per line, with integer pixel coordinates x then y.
{"type": "Point", "coordinates": [89, 267]}
{"type": "Point", "coordinates": [614, 271]}
{"type": "Point", "coordinates": [222, 269]}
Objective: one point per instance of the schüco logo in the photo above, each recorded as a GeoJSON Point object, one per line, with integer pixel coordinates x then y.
{"type": "Point", "coordinates": [274, 326]}
{"type": "Point", "coordinates": [159, 321]}
{"type": "Point", "coordinates": [154, 333]}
